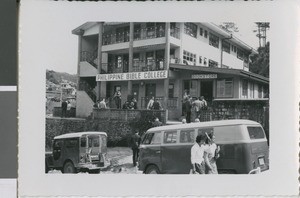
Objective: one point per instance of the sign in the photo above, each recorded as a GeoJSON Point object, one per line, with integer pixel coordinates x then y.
{"type": "Point", "coordinates": [204, 76]}
{"type": "Point", "coordinates": [148, 75]}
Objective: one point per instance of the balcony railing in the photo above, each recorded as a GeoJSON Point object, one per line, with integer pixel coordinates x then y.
{"type": "Point", "coordinates": [172, 103]}
{"type": "Point", "coordinates": [140, 34]}
{"type": "Point", "coordinates": [88, 56]}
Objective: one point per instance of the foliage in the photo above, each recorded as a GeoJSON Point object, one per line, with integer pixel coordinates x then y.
{"type": "Point", "coordinates": [143, 123]}
{"type": "Point", "coordinates": [229, 27]}
{"type": "Point", "coordinates": [57, 77]}
{"type": "Point", "coordinates": [259, 63]}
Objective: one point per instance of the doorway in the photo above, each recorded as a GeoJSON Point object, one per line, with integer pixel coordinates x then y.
{"type": "Point", "coordinates": [206, 90]}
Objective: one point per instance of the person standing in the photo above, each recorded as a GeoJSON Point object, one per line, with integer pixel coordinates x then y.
{"type": "Point", "coordinates": [197, 105]}
{"type": "Point", "coordinates": [64, 106]}
{"type": "Point", "coordinates": [203, 103]}
{"type": "Point", "coordinates": [198, 155]}
{"type": "Point", "coordinates": [117, 98]}
{"type": "Point", "coordinates": [135, 143]}
{"type": "Point", "coordinates": [188, 110]}
{"type": "Point", "coordinates": [212, 154]}
{"type": "Point", "coordinates": [150, 103]}
{"type": "Point", "coordinates": [156, 105]}
{"type": "Point", "coordinates": [102, 104]}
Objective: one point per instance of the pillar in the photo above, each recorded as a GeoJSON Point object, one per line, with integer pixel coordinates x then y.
{"type": "Point", "coordinates": [130, 56]}
{"type": "Point", "coordinates": [181, 30]}
{"type": "Point", "coordinates": [79, 57]}
{"type": "Point", "coordinates": [99, 60]}
{"type": "Point", "coordinates": [167, 63]}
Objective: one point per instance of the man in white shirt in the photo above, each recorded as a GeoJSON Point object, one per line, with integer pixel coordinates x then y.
{"type": "Point", "coordinates": [198, 155]}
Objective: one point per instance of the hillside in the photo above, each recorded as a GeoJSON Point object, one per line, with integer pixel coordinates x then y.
{"type": "Point", "coordinates": [60, 77]}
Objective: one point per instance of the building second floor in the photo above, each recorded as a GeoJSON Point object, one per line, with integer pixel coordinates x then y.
{"type": "Point", "coordinates": [154, 46]}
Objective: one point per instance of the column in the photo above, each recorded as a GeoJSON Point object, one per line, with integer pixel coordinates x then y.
{"type": "Point", "coordinates": [181, 30]}
{"type": "Point", "coordinates": [130, 56]}
{"type": "Point", "coordinates": [99, 60]}
{"type": "Point", "coordinates": [166, 66]}
{"type": "Point", "coordinates": [79, 58]}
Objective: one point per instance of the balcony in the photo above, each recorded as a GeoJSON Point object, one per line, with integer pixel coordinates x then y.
{"type": "Point", "coordinates": [89, 57]}
{"type": "Point", "coordinates": [139, 34]}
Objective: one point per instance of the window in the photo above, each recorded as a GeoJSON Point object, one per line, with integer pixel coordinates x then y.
{"type": "Point", "coordinates": [205, 61]}
{"type": "Point", "coordinates": [171, 90]}
{"type": "Point", "coordinates": [205, 33]}
{"type": "Point", "coordinates": [119, 61]}
{"type": "Point", "coordinates": [200, 59]}
{"type": "Point", "coordinates": [189, 58]}
{"type": "Point", "coordinates": [57, 144]}
{"type": "Point", "coordinates": [240, 54]}
{"type": "Point", "coordinates": [251, 86]}
{"type": "Point", "coordinates": [83, 141]}
{"type": "Point", "coordinates": [205, 131]}
{"type": "Point", "coordinates": [226, 47]}
{"type": "Point", "coordinates": [170, 137]}
{"type": "Point", "coordinates": [201, 32]}
{"type": "Point", "coordinates": [245, 88]}
{"type": "Point", "coordinates": [256, 133]}
{"type": "Point", "coordinates": [225, 88]}
{"type": "Point", "coordinates": [103, 140]}
{"type": "Point", "coordinates": [156, 138]}
{"type": "Point", "coordinates": [213, 40]}
{"type": "Point", "coordinates": [148, 137]}
{"type": "Point", "coordinates": [212, 63]}
{"type": "Point", "coordinates": [187, 136]}
{"type": "Point", "coordinates": [190, 29]}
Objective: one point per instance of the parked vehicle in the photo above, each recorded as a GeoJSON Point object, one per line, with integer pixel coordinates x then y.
{"type": "Point", "coordinates": [74, 152]}
{"type": "Point", "coordinates": [243, 147]}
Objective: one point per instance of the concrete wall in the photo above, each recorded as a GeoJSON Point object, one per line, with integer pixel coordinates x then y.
{"type": "Point", "coordinates": [87, 70]}
{"type": "Point", "coordinates": [84, 105]}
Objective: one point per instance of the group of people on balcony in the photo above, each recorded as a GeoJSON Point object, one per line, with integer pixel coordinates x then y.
{"type": "Point", "coordinates": [192, 108]}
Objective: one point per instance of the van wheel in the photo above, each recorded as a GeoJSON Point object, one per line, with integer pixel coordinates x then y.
{"type": "Point", "coordinates": [152, 169]}
{"type": "Point", "coordinates": [69, 168]}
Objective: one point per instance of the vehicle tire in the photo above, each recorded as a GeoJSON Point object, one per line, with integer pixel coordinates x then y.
{"type": "Point", "coordinates": [97, 171]}
{"type": "Point", "coordinates": [68, 168]}
{"type": "Point", "coordinates": [152, 169]}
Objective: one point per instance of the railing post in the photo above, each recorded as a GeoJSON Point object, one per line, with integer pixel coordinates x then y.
{"type": "Point", "coordinates": [99, 61]}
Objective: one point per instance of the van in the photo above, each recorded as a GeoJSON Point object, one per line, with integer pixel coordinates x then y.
{"type": "Point", "coordinates": [74, 152]}
{"type": "Point", "coordinates": [167, 149]}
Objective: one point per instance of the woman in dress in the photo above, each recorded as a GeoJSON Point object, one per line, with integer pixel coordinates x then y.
{"type": "Point", "coordinates": [212, 150]}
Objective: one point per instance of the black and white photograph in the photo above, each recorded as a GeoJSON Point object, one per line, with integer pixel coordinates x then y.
{"type": "Point", "coordinates": [161, 98]}
{"type": "Point", "coordinates": [140, 99]}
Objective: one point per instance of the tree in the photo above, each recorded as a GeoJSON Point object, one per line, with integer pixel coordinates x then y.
{"type": "Point", "coordinates": [260, 63]}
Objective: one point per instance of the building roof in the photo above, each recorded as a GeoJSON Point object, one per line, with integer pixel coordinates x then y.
{"type": "Point", "coordinates": [79, 134]}
{"type": "Point", "coordinates": [204, 124]}
{"type": "Point", "coordinates": [239, 72]}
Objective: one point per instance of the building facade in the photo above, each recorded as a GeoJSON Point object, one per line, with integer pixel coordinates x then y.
{"type": "Point", "coordinates": [163, 60]}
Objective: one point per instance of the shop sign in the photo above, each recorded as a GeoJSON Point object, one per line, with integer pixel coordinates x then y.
{"type": "Point", "coordinates": [204, 76]}
{"type": "Point", "coordinates": [149, 75]}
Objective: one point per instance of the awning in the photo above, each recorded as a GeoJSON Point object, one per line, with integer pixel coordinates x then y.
{"type": "Point", "coordinates": [237, 72]}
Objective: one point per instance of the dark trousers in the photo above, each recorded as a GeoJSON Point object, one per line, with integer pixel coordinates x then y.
{"type": "Point", "coordinates": [200, 168]}
{"type": "Point", "coordinates": [188, 117]}
{"type": "Point", "coordinates": [135, 155]}
{"type": "Point", "coordinates": [64, 113]}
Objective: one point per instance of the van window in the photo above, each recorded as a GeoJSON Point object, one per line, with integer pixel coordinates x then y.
{"type": "Point", "coordinates": [170, 137]}
{"type": "Point", "coordinates": [156, 138]}
{"type": "Point", "coordinates": [205, 130]}
{"type": "Point", "coordinates": [256, 132]}
{"type": "Point", "coordinates": [187, 136]}
{"type": "Point", "coordinates": [58, 144]}
{"type": "Point", "coordinates": [148, 137]}
{"type": "Point", "coordinates": [103, 140]}
{"type": "Point", "coordinates": [96, 142]}
{"type": "Point", "coordinates": [228, 133]}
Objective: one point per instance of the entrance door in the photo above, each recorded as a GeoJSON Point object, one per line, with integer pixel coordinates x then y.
{"type": "Point", "coordinates": [207, 90]}
{"type": "Point", "coordinates": [135, 91]}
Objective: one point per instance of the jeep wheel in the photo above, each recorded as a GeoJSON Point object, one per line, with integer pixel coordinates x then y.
{"type": "Point", "coordinates": [69, 168]}
{"type": "Point", "coordinates": [152, 169]}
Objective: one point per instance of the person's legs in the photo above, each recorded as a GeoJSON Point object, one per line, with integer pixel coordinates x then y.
{"type": "Point", "coordinates": [188, 117]}
{"type": "Point", "coordinates": [134, 156]}
{"type": "Point", "coordinates": [200, 168]}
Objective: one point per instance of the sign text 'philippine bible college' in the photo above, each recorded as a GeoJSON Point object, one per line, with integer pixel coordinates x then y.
{"type": "Point", "coordinates": [148, 75]}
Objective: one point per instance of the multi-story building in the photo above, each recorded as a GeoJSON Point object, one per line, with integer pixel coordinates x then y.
{"type": "Point", "coordinates": [163, 60]}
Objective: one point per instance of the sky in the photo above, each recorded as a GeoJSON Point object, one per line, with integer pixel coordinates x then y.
{"type": "Point", "coordinates": [59, 47]}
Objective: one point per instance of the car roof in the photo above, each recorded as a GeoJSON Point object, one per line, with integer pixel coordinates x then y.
{"type": "Point", "coordinates": [204, 124]}
{"type": "Point", "coordinates": [79, 134]}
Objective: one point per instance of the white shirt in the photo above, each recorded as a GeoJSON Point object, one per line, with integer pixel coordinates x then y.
{"type": "Point", "coordinates": [197, 153]}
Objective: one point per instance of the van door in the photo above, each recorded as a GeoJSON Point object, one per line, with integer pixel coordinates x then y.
{"type": "Point", "coordinates": [57, 152]}
{"type": "Point", "coordinates": [186, 141]}
{"type": "Point", "coordinates": [170, 150]}
{"type": "Point", "coordinates": [150, 150]}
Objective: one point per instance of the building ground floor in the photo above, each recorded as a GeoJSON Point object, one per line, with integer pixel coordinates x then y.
{"type": "Point", "coordinates": [212, 83]}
